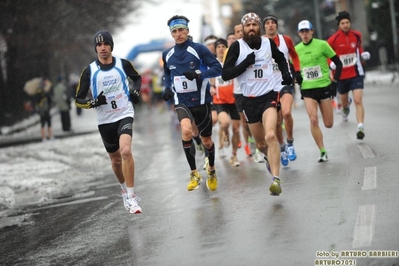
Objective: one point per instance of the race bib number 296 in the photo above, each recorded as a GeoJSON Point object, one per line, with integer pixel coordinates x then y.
{"type": "Point", "coordinates": [311, 73]}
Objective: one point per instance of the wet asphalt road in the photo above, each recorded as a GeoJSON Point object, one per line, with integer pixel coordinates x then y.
{"type": "Point", "coordinates": [328, 207]}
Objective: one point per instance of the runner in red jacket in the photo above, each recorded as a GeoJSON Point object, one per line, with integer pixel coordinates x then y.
{"type": "Point", "coordinates": [347, 44]}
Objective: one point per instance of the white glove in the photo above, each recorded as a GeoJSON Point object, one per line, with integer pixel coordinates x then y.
{"type": "Point", "coordinates": [333, 66]}
{"type": "Point", "coordinates": [365, 55]}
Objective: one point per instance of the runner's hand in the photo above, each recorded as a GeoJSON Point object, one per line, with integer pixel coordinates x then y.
{"type": "Point", "coordinates": [100, 100]}
{"type": "Point", "coordinates": [191, 75]}
{"type": "Point", "coordinates": [365, 55]}
{"type": "Point", "coordinates": [287, 79]}
{"type": "Point", "coordinates": [249, 60]}
{"type": "Point", "coordinates": [298, 77]}
{"type": "Point", "coordinates": [135, 96]}
{"type": "Point", "coordinates": [167, 94]}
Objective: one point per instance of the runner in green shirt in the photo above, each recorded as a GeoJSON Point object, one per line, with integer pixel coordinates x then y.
{"type": "Point", "coordinates": [317, 88]}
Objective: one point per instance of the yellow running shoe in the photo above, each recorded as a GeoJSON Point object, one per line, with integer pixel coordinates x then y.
{"type": "Point", "coordinates": [275, 188]}
{"type": "Point", "coordinates": [212, 181]}
{"type": "Point", "coordinates": [195, 181]}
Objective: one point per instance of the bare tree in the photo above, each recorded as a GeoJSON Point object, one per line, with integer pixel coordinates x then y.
{"type": "Point", "coordinates": [48, 38]}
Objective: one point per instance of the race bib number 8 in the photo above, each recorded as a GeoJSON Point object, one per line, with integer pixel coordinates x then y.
{"type": "Point", "coordinates": [184, 85]}
{"type": "Point", "coordinates": [312, 73]}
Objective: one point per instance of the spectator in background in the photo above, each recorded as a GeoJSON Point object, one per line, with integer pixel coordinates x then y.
{"type": "Point", "coordinates": [62, 100]}
{"type": "Point", "coordinates": [146, 88]}
{"type": "Point", "coordinates": [209, 42]}
{"type": "Point", "coordinates": [43, 103]}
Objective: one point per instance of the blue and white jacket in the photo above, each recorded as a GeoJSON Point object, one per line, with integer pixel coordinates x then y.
{"type": "Point", "coordinates": [190, 56]}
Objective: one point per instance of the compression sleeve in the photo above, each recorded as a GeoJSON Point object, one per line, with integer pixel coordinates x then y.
{"type": "Point", "coordinates": [291, 51]}
{"type": "Point", "coordinates": [338, 69]}
{"type": "Point", "coordinates": [132, 74]}
{"type": "Point", "coordinates": [230, 70]}
{"type": "Point", "coordinates": [82, 90]}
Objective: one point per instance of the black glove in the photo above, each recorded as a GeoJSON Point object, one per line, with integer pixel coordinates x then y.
{"type": "Point", "coordinates": [333, 89]}
{"type": "Point", "coordinates": [287, 79]}
{"type": "Point", "coordinates": [298, 77]}
{"type": "Point", "coordinates": [191, 75]}
{"type": "Point", "coordinates": [249, 60]}
{"type": "Point", "coordinates": [167, 94]}
{"type": "Point", "coordinates": [100, 100]}
{"type": "Point", "coordinates": [135, 96]}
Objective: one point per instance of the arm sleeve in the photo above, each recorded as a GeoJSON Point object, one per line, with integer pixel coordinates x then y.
{"type": "Point", "coordinates": [291, 50]}
{"type": "Point", "coordinates": [167, 81]}
{"type": "Point", "coordinates": [132, 74]}
{"type": "Point", "coordinates": [82, 90]}
{"type": "Point", "coordinates": [214, 67]}
{"type": "Point", "coordinates": [230, 70]}
{"type": "Point", "coordinates": [338, 70]}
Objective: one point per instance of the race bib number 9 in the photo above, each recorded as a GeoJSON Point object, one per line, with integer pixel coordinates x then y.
{"type": "Point", "coordinates": [348, 59]}
{"type": "Point", "coordinates": [184, 85]}
{"type": "Point", "coordinates": [312, 73]}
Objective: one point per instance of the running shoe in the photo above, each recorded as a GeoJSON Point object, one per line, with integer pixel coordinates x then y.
{"type": "Point", "coordinates": [360, 133]}
{"type": "Point", "coordinates": [200, 149]}
{"type": "Point", "coordinates": [226, 140]}
{"type": "Point", "coordinates": [323, 157]}
{"type": "Point", "coordinates": [346, 110]}
{"type": "Point", "coordinates": [248, 150]}
{"type": "Point", "coordinates": [212, 181]}
{"type": "Point", "coordinates": [252, 144]}
{"type": "Point", "coordinates": [291, 152]}
{"type": "Point", "coordinates": [206, 163]}
{"type": "Point", "coordinates": [234, 161]}
{"type": "Point", "coordinates": [221, 152]}
{"type": "Point", "coordinates": [275, 188]}
{"type": "Point", "coordinates": [134, 206]}
{"type": "Point", "coordinates": [284, 158]}
{"type": "Point", "coordinates": [125, 201]}
{"type": "Point", "coordinates": [267, 164]}
{"type": "Point", "coordinates": [259, 156]}
{"type": "Point", "coordinates": [195, 180]}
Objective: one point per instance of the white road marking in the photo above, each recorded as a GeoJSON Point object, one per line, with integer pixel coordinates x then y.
{"type": "Point", "coordinates": [364, 227]}
{"type": "Point", "coordinates": [366, 151]}
{"type": "Point", "coordinates": [370, 178]}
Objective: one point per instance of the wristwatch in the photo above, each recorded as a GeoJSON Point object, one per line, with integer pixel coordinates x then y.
{"type": "Point", "coordinates": [198, 72]}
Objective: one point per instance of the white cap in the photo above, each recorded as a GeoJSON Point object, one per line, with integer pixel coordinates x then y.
{"type": "Point", "coordinates": [305, 25]}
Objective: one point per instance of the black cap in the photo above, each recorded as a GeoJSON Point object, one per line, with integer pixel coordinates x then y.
{"type": "Point", "coordinates": [103, 36]}
{"type": "Point", "coordinates": [342, 15]}
{"type": "Point", "coordinates": [220, 41]}
{"type": "Point", "coordinates": [270, 17]}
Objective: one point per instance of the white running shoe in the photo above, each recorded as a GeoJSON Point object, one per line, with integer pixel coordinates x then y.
{"type": "Point", "coordinates": [125, 202]}
{"type": "Point", "coordinates": [259, 156]}
{"type": "Point", "coordinates": [134, 206]}
{"type": "Point", "coordinates": [221, 153]}
{"type": "Point", "coordinates": [234, 161]}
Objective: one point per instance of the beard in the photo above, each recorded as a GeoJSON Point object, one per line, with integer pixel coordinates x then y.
{"type": "Point", "coordinates": [253, 41]}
